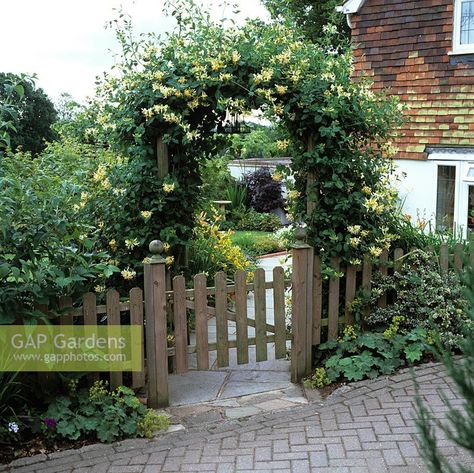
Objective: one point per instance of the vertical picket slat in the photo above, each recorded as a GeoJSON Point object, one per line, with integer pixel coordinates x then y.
{"type": "Point", "coordinates": [397, 255]}
{"type": "Point", "coordinates": [333, 309]}
{"type": "Point", "coordinates": [351, 274]}
{"type": "Point", "coordinates": [366, 282]}
{"type": "Point", "coordinates": [458, 255]}
{"type": "Point", "coordinates": [200, 310]}
{"type": "Point", "coordinates": [260, 315]}
{"type": "Point", "coordinates": [279, 311]}
{"type": "Point", "coordinates": [66, 317]}
{"type": "Point", "coordinates": [221, 321]}
{"type": "Point", "coordinates": [89, 314]}
{"type": "Point", "coordinates": [383, 271]}
{"type": "Point", "coordinates": [180, 324]}
{"type": "Point", "coordinates": [241, 317]}
{"type": "Point", "coordinates": [317, 300]}
{"type": "Point", "coordinates": [113, 318]}
{"type": "Point", "coordinates": [136, 318]}
{"type": "Point", "coordinates": [89, 309]}
{"type": "Point", "coordinates": [444, 258]}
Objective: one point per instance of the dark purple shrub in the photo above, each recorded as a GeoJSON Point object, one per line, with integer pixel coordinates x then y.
{"type": "Point", "coordinates": [263, 192]}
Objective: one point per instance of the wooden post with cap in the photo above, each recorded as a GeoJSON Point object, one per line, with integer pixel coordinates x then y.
{"type": "Point", "coordinates": [301, 307]}
{"type": "Point", "coordinates": [156, 327]}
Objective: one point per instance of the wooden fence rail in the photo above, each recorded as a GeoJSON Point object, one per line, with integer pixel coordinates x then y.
{"type": "Point", "coordinates": [331, 305]}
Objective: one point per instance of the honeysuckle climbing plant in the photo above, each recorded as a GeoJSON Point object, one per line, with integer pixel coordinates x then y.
{"type": "Point", "coordinates": [181, 86]}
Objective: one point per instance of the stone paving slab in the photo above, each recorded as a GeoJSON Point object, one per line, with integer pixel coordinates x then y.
{"type": "Point", "coordinates": [366, 427]}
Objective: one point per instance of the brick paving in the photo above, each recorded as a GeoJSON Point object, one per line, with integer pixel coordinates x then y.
{"type": "Point", "coordinates": [364, 427]}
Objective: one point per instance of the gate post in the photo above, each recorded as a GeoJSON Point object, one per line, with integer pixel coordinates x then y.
{"type": "Point", "coordinates": [301, 308]}
{"type": "Point", "coordinates": [156, 327]}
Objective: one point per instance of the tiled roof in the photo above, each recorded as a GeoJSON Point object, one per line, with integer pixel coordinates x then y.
{"type": "Point", "coordinates": [404, 46]}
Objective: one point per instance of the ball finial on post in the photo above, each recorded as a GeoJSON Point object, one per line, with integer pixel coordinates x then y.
{"type": "Point", "coordinates": [156, 249]}
{"type": "Point", "coordinates": [300, 235]}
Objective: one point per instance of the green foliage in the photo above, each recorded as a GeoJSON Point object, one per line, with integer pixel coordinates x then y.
{"type": "Point", "coordinates": [261, 143]}
{"type": "Point", "coordinates": [256, 243]}
{"type": "Point", "coordinates": [46, 249]}
{"type": "Point", "coordinates": [312, 16]}
{"type": "Point", "coordinates": [212, 250]}
{"type": "Point", "coordinates": [319, 379]}
{"type": "Point", "coordinates": [216, 179]}
{"type": "Point", "coordinates": [458, 425]}
{"type": "Point", "coordinates": [421, 233]}
{"type": "Point", "coordinates": [11, 92]}
{"type": "Point", "coordinates": [183, 86]}
{"type": "Point", "coordinates": [356, 356]}
{"type": "Point", "coordinates": [98, 413]}
{"type": "Point", "coordinates": [420, 297]}
{"type": "Point", "coordinates": [10, 395]}
{"type": "Point", "coordinates": [237, 195]}
{"type": "Point", "coordinates": [251, 220]}
{"type": "Point", "coordinates": [31, 112]}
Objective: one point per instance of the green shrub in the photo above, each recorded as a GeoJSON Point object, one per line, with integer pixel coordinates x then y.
{"type": "Point", "coordinates": [237, 194]}
{"type": "Point", "coordinates": [48, 248]}
{"type": "Point", "coordinates": [257, 243]}
{"type": "Point", "coordinates": [251, 220]}
{"type": "Point", "coordinates": [422, 296]}
{"type": "Point", "coordinates": [98, 413]}
{"type": "Point", "coordinates": [216, 178]}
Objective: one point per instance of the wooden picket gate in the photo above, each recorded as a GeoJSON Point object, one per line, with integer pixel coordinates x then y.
{"type": "Point", "coordinates": [320, 308]}
{"type": "Point", "coordinates": [166, 332]}
{"type": "Point", "coordinates": [227, 303]}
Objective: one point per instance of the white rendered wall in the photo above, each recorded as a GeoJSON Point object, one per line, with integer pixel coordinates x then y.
{"type": "Point", "coordinates": [417, 188]}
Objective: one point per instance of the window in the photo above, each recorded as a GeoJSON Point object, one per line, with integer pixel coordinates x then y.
{"type": "Point", "coordinates": [445, 197]}
{"type": "Point", "coordinates": [463, 36]}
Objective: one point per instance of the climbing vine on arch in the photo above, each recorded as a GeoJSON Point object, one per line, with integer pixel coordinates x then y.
{"type": "Point", "coordinates": [180, 87]}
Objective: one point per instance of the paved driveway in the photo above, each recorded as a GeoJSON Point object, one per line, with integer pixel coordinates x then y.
{"type": "Point", "coordinates": [366, 427]}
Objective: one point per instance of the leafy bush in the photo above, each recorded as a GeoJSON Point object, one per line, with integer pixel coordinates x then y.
{"type": "Point", "coordinates": [251, 220]}
{"type": "Point", "coordinates": [286, 236]}
{"type": "Point", "coordinates": [98, 413]}
{"type": "Point", "coordinates": [263, 192]}
{"type": "Point", "coordinates": [216, 178]}
{"type": "Point", "coordinates": [357, 356]}
{"type": "Point", "coordinates": [211, 250]}
{"type": "Point", "coordinates": [422, 296]}
{"type": "Point", "coordinates": [47, 249]}
{"type": "Point", "coordinates": [458, 424]}
{"type": "Point", "coordinates": [257, 243]}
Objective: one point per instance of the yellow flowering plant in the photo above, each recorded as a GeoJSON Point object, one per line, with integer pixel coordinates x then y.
{"type": "Point", "coordinates": [211, 250]}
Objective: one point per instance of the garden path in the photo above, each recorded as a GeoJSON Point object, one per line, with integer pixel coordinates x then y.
{"type": "Point", "coordinates": [364, 427]}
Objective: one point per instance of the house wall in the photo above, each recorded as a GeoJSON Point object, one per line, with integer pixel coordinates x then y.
{"type": "Point", "coordinates": [404, 46]}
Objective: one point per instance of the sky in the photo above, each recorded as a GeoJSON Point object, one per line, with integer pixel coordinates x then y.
{"type": "Point", "coordinates": [66, 44]}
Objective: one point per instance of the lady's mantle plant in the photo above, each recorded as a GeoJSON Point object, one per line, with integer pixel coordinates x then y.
{"type": "Point", "coordinates": [98, 413]}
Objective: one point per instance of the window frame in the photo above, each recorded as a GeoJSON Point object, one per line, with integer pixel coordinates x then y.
{"type": "Point", "coordinates": [459, 48]}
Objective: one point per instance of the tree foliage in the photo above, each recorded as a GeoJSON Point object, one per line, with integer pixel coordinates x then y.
{"type": "Point", "coordinates": [33, 116]}
{"type": "Point", "coordinates": [312, 16]}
